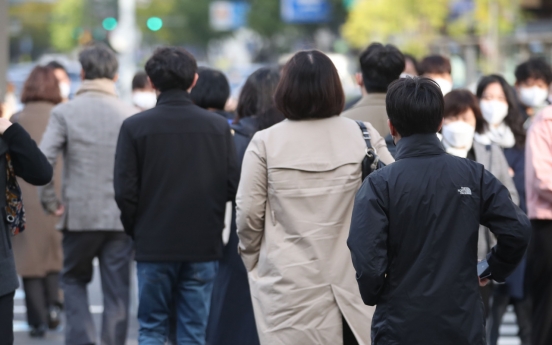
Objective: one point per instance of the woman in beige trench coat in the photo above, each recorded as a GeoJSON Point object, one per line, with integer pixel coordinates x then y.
{"type": "Point", "coordinates": [38, 254]}
{"type": "Point", "coordinates": [294, 206]}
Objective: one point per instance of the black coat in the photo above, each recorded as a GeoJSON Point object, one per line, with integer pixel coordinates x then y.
{"type": "Point", "coordinates": [175, 169]}
{"type": "Point", "coordinates": [231, 320]}
{"type": "Point", "coordinates": [30, 164]}
{"type": "Point", "coordinates": [413, 241]}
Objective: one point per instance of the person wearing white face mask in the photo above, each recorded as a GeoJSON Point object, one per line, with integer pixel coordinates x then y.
{"type": "Point", "coordinates": [143, 94]}
{"type": "Point", "coordinates": [439, 69]}
{"type": "Point", "coordinates": [499, 108]}
{"type": "Point", "coordinates": [63, 79]}
{"type": "Point", "coordinates": [463, 121]}
{"type": "Point", "coordinates": [533, 79]}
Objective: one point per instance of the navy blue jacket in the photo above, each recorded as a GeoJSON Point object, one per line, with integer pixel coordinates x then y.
{"type": "Point", "coordinates": [413, 241]}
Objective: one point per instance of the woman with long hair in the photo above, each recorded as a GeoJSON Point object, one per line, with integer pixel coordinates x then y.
{"type": "Point", "coordinates": [499, 107]}
{"type": "Point", "coordinates": [294, 207]}
{"type": "Point", "coordinates": [231, 320]}
{"type": "Point", "coordinates": [38, 254]}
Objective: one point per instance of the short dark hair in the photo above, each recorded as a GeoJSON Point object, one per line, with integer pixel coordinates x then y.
{"type": "Point", "coordinates": [435, 64]}
{"type": "Point", "coordinates": [56, 65]}
{"type": "Point", "coordinates": [140, 81]}
{"type": "Point", "coordinates": [414, 61]}
{"type": "Point", "coordinates": [98, 61]}
{"type": "Point", "coordinates": [211, 90]}
{"type": "Point", "coordinates": [380, 66]}
{"type": "Point", "coordinates": [171, 68]}
{"type": "Point", "coordinates": [41, 86]}
{"type": "Point", "coordinates": [415, 105]}
{"type": "Point", "coordinates": [310, 87]}
{"type": "Point", "coordinates": [514, 119]}
{"type": "Point", "coordinates": [535, 68]}
{"type": "Point", "coordinates": [459, 101]}
{"type": "Point", "coordinates": [257, 98]}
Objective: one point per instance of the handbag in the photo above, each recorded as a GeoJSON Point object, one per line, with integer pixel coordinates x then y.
{"type": "Point", "coordinates": [15, 212]}
{"type": "Point", "coordinates": [371, 161]}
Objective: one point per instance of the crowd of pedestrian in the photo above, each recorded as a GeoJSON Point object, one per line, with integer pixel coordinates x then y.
{"type": "Point", "coordinates": [322, 244]}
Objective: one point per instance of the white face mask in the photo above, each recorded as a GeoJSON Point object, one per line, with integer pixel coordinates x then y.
{"type": "Point", "coordinates": [533, 96]}
{"type": "Point", "coordinates": [144, 99]}
{"type": "Point", "coordinates": [445, 85]}
{"type": "Point", "coordinates": [458, 134]}
{"type": "Point", "coordinates": [494, 112]}
{"type": "Point", "coordinates": [64, 90]}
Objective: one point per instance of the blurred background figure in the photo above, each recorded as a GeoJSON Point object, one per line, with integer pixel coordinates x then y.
{"type": "Point", "coordinates": [231, 320]}
{"type": "Point", "coordinates": [63, 79]}
{"type": "Point", "coordinates": [463, 124]}
{"type": "Point", "coordinates": [533, 80]}
{"type": "Point", "coordinates": [38, 255]}
{"type": "Point", "coordinates": [500, 108]}
{"type": "Point", "coordinates": [438, 68]}
{"type": "Point", "coordinates": [143, 94]}
{"type": "Point", "coordinates": [411, 66]}
{"type": "Point", "coordinates": [538, 170]}
{"type": "Point", "coordinates": [380, 65]}
{"type": "Point", "coordinates": [9, 106]}
{"type": "Point", "coordinates": [212, 91]}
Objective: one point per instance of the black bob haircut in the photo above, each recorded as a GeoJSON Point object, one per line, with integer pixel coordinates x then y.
{"type": "Point", "coordinates": [98, 61]}
{"type": "Point", "coordinates": [415, 106]}
{"type": "Point", "coordinates": [535, 68]}
{"type": "Point", "coordinates": [171, 68]}
{"type": "Point", "coordinates": [435, 64]}
{"type": "Point", "coordinates": [211, 90]}
{"type": "Point", "coordinates": [380, 66]}
{"type": "Point", "coordinates": [310, 87]}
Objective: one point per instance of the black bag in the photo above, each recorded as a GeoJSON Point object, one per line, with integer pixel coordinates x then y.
{"type": "Point", "coordinates": [371, 161]}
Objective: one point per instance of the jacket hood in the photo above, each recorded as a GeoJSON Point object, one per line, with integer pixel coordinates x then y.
{"type": "Point", "coordinates": [247, 126]}
{"type": "Point", "coordinates": [102, 85]}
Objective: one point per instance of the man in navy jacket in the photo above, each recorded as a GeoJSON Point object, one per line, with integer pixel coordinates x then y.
{"type": "Point", "coordinates": [414, 230]}
{"type": "Point", "coordinates": [175, 169]}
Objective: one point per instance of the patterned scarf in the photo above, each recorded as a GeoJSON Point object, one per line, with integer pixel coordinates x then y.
{"type": "Point", "coordinates": [15, 212]}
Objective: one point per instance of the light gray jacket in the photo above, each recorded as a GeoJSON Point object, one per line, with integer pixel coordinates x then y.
{"type": "Point", "coordinates": [85, 130]}
{"type": "Point", "coordinates": [492, 157]}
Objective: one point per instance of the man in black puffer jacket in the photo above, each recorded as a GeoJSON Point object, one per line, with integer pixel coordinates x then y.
{"type": "Point", "coordinates": [414, 230]}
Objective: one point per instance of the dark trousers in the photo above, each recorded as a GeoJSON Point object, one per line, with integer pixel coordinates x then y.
{"type": "Point", "coordinates": [539, 264]}
{"type": "Point", "coordinates": [114, 251]}
{"type": "Point", "coordinates": [501, 300]}
{"type": "Point", "coordinates": [6, 319]}
{"type": "Point", "coordinates": [184, 286]}
{"type": "Point", "coordinates": [40, 295]}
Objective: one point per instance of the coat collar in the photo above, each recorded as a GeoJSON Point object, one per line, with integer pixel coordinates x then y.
{"type": "Point", "coordinates": [419, 145]}
{"type": "Point", "coordinates": [101, 85]}
{"type": "Point", "coordinates": [174, 96]}
{"type": "Point", "coordinates": [371, 99]}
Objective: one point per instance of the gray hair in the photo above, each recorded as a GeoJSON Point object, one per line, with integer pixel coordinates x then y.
{"type": "Point", "coordinates": [98, 61]}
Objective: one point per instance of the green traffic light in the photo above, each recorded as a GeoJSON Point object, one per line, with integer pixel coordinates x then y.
{"type": "Point", "coordinates": [154, 23]}
{"type": "Point", "coordinates": [109, 23]}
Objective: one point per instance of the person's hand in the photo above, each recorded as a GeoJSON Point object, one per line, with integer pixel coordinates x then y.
{"type": "Point", "coordinates": [4, 124]}
{"type": "Point", "coordinates": [60, 211]}
{"type": "Point", "coordinates": [483, 282]}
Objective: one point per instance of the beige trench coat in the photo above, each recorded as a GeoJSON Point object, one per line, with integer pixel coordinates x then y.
{"type": "Point", "coordinates": [38, 248]}
{"type": "Point", "coordinates": [294, 207]}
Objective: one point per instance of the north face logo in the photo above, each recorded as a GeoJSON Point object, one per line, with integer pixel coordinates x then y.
{"type": "Point", "coordinates": [465, 191]}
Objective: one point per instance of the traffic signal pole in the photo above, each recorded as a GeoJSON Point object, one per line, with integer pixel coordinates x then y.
{"type": "Point", "coordinates": [4, 47]}
{"type": "Point", "coordinates": [127, 26]}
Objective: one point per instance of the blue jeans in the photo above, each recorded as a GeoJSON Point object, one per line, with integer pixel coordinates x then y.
{"type": "Point", "coordinates": [182, 286]}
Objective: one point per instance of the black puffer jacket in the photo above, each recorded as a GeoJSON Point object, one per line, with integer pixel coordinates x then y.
{"type": "Point", "coordinates": [414, 238]}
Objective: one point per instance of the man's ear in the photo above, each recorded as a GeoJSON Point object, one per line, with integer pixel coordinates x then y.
{"type": "Point", "coordinates": [393, 130]}
{"type": "Point", "coordinates": [82, 74]}
{"type": "Point", "coordinates": [116, 77]}
{"type": "Point", "coordinates": [359, 80]}
{"type": "Point", "coordinates": [196, 77]}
